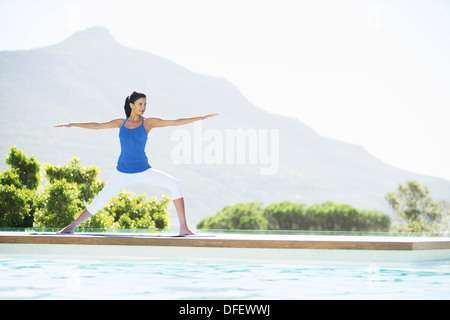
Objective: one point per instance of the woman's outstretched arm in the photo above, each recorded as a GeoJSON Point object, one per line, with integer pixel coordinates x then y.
{"type": "Point", "coordinates": [116, 123]}
{"type": "Point", "coordinates": [156, 122]}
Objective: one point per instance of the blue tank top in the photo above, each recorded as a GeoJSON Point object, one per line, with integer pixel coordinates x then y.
{"type": "Point", "coordinates": [132, 157]}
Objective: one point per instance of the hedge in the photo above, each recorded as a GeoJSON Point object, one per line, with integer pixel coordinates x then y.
{"type": "Point", "coordinates": [297, 216]}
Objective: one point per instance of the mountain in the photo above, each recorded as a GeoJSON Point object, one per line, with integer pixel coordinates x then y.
{"type": "Point", "coordinates": [87, 77]}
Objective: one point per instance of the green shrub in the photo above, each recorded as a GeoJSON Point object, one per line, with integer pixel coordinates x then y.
{"type": "Point", "coordinates": [86, 178]}
{"type": "Point", "coordinates": [70, 188]}
{"type": "Point", "coordinates": [287, 216]}
{"type": "Point", "coordinates": [10, 178]}
{"type": "Point", "coordinates": [60, 205]}
{"type": "Point", "coordinates": [340, 217]}
{"type": "Point", "coordinates": [378, 221]}
{"type": "Point", "coordinates": [239, 216]}
{"type": "Point", "coordinates": [296, 216]}
{"type": "Point", "coordinates": [15, 207]}
{"type": "Point", "coordinates": [130, 211]}
{"type": "Point", "coordinates": [27, 168]}
{"type": "Point", "coordinates": [19, 184]}
{"type": "Point", "coordinates": [101, 220]}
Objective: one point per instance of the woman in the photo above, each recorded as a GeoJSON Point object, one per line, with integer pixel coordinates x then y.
{"type": "Point", "coordinates": [133, 166]}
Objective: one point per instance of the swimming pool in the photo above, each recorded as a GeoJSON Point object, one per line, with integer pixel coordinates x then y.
{"type": "Point", "coordinates": [25, 276]}
{"type": "Point", "coordinates": [225, 267]}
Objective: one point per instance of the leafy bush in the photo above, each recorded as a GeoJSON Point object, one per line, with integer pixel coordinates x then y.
{"type": "Point", "coordinates": [129, 211]}
{"type": "Point", "coordinates": [60, 205]}
{"type": "Point", "coordinates": [27, 168]}
{"type": "Point", "coordinates": [340, 217]}
{"type": "Point", "coordinates": [15, 207]}
{"type": "Point", "coordinates": [86, 178]}
{"type": "Point", "coordinates": [10, 178]}
{"type": "Point", "coordinates": [296, 216]}
{"type": "Point", "coordinates": [18, 186]}
{"type": "Point", "coordinates": [69, 189]}
{"type": "Point", "coordinates": [287, 216]}
{"type": "Point", "coordinates": [239, 216]}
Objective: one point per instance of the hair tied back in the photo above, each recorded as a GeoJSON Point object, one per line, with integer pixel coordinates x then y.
{"type": "Point", "coordinates": [135, 95]}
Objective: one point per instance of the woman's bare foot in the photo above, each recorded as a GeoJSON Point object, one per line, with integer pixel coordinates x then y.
{"type": "Point", "coordinates": [70, 229]}
{"type": "Point", "coordinates": [184, 231]}
{"type": "Point", "coordinates": [66, 230]}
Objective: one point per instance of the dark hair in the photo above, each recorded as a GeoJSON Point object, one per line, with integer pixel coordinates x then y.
{"type": "Point", "coordinates": [132, 99]}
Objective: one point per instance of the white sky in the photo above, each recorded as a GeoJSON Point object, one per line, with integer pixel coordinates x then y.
{"type": "Point", "coordinates": [373, 73]}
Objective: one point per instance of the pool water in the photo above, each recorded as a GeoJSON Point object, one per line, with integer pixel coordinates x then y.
{"type": "Point", "coordinates": [59, 277]}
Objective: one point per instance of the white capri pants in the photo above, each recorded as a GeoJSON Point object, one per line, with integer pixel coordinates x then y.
{"type": "Point", "coordinates": [120, 180]}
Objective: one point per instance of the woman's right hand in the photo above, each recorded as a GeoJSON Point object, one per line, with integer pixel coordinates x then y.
{"type": "Point", "coordinates": [63, 125]}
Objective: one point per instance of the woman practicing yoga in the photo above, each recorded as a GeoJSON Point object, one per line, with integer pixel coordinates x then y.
{"type": "Point", "coordinates": [133, 166]}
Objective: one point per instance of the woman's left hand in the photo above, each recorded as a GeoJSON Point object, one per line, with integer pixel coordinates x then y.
{"type": "Point", "coordinates": [210, 116]}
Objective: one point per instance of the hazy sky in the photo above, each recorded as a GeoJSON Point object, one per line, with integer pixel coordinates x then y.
{"type": "Point", "coordinates": [373, 73]}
